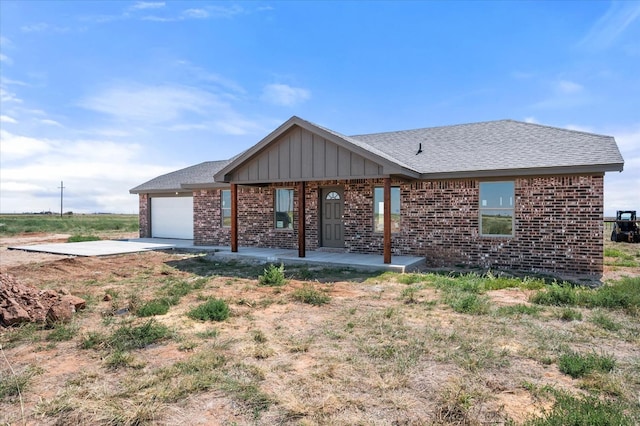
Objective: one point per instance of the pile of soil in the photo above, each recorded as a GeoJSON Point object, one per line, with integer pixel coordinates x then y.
{"type": "Point", "coordinates": [21, 303]}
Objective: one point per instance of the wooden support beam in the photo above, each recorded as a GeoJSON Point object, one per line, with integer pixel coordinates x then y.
{"type": "Point", "coordinates": [387, 220]}
{"type": "Point", "coordinates": [302, 250]}
{"type": "Point", "coordinates": [234, 217]}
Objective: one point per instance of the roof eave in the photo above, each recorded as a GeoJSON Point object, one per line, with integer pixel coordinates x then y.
{"type": "Point", "coordinates": [206, 185]}
{"type": "Point", "coordinates": [536, 171]}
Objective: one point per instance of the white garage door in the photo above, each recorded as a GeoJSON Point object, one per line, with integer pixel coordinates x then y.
{"type": "Point", "coordinates": [172, 217]}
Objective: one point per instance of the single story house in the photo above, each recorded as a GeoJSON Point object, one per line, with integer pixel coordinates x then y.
{"type": "Point", "coordinates": [499, 194]}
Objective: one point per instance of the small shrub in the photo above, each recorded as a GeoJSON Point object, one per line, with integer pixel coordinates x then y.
{"type": "Point", "coordinates": [310, 295]}
{"type": "Point", "coordinates": [273, 276]}
{"type": "Point", "coordinates": [409, 294]}
{"type": "Point", "coordinates": [155, 307]}
{"type": "Point", "coordinates": [211, 310]}
{"type": "Point", "coordinates": [82, 238]}
{"type": "Point", "coordinates": [578, 365]}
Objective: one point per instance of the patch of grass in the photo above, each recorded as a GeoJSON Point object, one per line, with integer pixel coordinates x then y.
{"type": "Point", "coordinates": [211, 310]}
{"type": "Point", "coordinates": [81, 224]}
{"type": "Point", "coordinates": [13, 385]}
{"type": "Point", "coordinates": [273, 276]}
{"type": "Point", "coordinates": [557, 295]}
{"type": "Point", "coordinates": [468, 303]}
{"type": "Point", "coordinates": [569, 314]}
{"type": "Point", "coordinates": [91, 340]}
{"type": "Point", "coordinates": [578, 365]}
{"type": "Point", "coordinates": [24, 333]}
{"type": "Point", "coordinates": [310, 295]}
{"type": "Point", "coordinates": [118, 359]}
{"type": "Point", "coordinates": [588, 410]}
{"type": "Point", "coordinates": [605, 321]}
{"type": "Point", "coordinates": [518, 310]}
{"type": "Point", "coordinates": [409, 294]}
{"type": "Point", "coordinates": [156, 307]}
{"type": "Point", "coordinates": [62, 332]}
{"type": "Point", "coordinates": [208, 334]}
{"type": "Point", "coordinates": [127, 337]}
{"type": "Point", "coordinates": [413, 278]}
{"type": "Point", "coordinates": [82, 238]}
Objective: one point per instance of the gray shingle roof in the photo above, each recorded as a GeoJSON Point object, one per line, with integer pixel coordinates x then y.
{"type": "Point", "coordinates": [495, 145]}
{"type": "Point", "coordinates": [492, 148]}
{"type": "Point", "coordinates": [200, 175]}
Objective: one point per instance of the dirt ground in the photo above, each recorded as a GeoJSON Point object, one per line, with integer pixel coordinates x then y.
{"type": "Point", "coordinates": [302, 360]}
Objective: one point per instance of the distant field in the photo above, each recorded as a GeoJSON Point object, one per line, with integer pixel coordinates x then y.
{"type": "Point", "coordinates": [13, 224]}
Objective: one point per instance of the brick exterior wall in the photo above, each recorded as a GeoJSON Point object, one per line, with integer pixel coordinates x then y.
{"type": "Point", "coordinates": [207, 219]}
{"type": "Point", "coordinates": [558, 222]}
{"type": "Point", "coordinates": [144, 218]}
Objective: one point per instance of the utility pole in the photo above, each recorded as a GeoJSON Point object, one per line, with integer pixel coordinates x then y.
{"type": "Point", "coordinates": [61, 196]}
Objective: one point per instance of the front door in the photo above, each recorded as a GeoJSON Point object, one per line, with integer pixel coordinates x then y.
{"type": "Point", "coordinates": [332, 224]}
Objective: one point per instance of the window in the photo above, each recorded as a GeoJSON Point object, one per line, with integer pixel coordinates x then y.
{"type": "Point", "coordinates": [225, 207]}
{"type": "Point", "coordinates": [378, 209]}
{"type": "Point", "coordinates": [284, 209]}
{"type": "Point", "coordinates": [496, 208]}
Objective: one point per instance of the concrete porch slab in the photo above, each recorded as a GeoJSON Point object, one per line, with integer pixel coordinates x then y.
{"type": "Point", "coordinates": [320, 258]}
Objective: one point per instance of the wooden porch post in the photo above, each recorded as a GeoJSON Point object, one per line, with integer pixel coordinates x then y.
{"type": "Point", "coordinates": [387, 220]}
{"type": "Point", "coordinates": [302, 250]}
{"type": "Point", "coordinates": [234, 217]}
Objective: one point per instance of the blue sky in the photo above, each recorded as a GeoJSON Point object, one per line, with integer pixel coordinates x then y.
{"type": "Point", "coordinates": [105, 95]}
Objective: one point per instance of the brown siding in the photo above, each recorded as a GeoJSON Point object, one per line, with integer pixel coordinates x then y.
{"type": "Point", "coordinates": [300, 155]}
{"type": "Point", "coordinates": [558, 222]}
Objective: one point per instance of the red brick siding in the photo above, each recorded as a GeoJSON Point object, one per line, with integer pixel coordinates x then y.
{"type": "Point", "coordinates": [558, 222]}
{"type": "Point", "coordinates": [144, 219]}
{"type": "Point", "coordinates": [207, 219]}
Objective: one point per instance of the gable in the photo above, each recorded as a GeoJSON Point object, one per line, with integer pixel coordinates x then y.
{"type": "Point", "coordinates": [299, 154]}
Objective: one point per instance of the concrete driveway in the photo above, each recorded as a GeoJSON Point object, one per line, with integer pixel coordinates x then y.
{"type": "Point", "coordinates": [94, 248]}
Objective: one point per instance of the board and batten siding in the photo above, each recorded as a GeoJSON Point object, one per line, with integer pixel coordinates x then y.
{"type": "Point", "coordinates": [302, 155]}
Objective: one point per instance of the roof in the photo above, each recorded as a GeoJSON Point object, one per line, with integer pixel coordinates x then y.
{"type": "Point", "coordinates": [485, 149]}
{"type": "Point", "coordinates": [504, 146]}
{"type": "Point", "coordinates": [193, 177]}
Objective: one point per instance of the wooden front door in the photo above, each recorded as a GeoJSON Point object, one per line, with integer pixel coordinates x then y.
{"type": "Point", "coordinates": [332, 223]}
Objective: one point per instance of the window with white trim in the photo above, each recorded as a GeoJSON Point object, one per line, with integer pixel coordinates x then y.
{"type": "Point", "coordinates": [496, 208]}
{"type": "Point", "coordinates": [225, 207]}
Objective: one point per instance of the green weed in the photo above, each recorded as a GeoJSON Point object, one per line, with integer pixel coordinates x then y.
{"type": "Point", "coordinates": [273, 276]}
{"type": "Point", "coordinates": [518, 310]}
{"type": "Point", "coordinates": [310, 295]}
{"type": "Point", "coordinates": [211, 310]}
{"type": "Point", "coordinates": [128, 337]}
{"type": "Point", "coordinates": [62, 332]}
{"type": "Point", "coordinates": [82, 238]}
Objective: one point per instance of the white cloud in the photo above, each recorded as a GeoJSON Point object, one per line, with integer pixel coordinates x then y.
{"type": "Point", "coordinates": [13, 147]}
{"type": "Point", "coordinates": [145, 5]}
{"type": "Point", "coordinates": [51, 122]}
{"type": "Point", "coordinates": [7, 119]}
{"type": "Point", "coordinates": [621, 189]}
{"type": "Point", "coordinates": [579, 128]}
{"type": "Point", "coordinates": [611, 25]}
{"type": "Point", "coordinates": [568, 87]}
{"type": "Point", "coordinates": [284, 95]}
{"type": "Point", "coordinates": [151, 104]}
{"type": "Point", "coordinates": [43, 27]}
{"type": "Point", "coordinates": [532, 120]}
{"type": "Point", "coordinates": [4, 58]}
{"type": "Point", "coordinates": [6, 96]}
{"type": "Point", "coordinates": [195, 13]}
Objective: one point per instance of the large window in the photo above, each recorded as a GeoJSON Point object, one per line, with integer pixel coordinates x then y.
{"type": "Point", "coordinates": [496, 208]}
{"type": "Point", "coordinates": [225, 207]}
{"type": "Point", "coordinates": [283, 208]}
{"type": "Point", "coordinates": [378, 209]}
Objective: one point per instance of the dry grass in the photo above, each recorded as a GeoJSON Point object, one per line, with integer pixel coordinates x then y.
{"type": "Point", "coordinates": [374, 353]}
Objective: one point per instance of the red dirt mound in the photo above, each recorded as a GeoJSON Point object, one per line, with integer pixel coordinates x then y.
{"type": "Point", "coordinates": [21, 303]}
